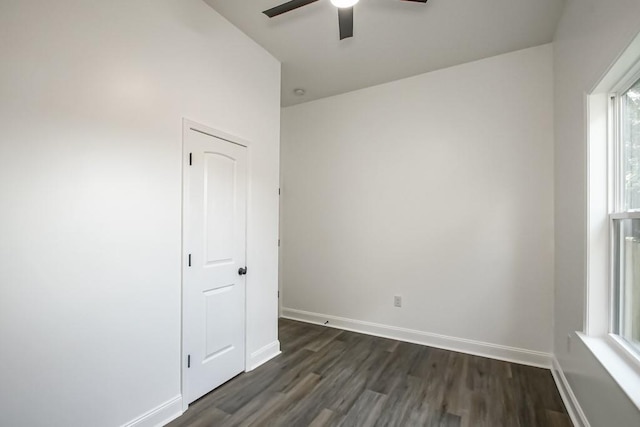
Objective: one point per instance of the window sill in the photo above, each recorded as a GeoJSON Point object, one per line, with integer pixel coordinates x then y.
{"type": "Point", "coordinates": [624, 371]}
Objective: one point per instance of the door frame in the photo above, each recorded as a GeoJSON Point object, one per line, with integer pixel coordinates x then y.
{"type": "Point", "coordinates": [189, 125]}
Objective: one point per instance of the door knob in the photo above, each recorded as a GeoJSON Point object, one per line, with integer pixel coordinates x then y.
{"type": "Point", "coordinates": [242, 271]}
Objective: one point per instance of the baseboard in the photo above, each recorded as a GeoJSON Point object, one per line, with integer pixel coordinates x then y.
{"type": "Point", "coordinates": [462, 345]}
{"type": "Point", "coordinates": [578, 418]}
{"type": "Point", "coordinates": [159, 416]}
{"type": "Point", "coordinates": [263, 355]}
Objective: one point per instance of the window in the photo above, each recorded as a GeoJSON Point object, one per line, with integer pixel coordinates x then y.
{"type": "Point", "coordinates": [625, 218]}
{"type": "Point", "coordinates": [612, 286]}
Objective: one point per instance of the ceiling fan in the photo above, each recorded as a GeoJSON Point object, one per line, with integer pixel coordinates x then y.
{"type": "Point", "coordinates": [345, 12]}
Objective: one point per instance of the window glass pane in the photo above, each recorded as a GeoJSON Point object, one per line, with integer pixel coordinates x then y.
{"type": "Point", "coordinates": [631, 147]}
{"type": "Point", "coordinates": [627, 254]}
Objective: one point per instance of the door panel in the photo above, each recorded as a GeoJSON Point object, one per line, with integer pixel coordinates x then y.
{"type": "Point", "coordinates": [220, 185]}
{"type": "Point", "coordinates": [219, 307]}
{"type": "Point", "coordinates": [215, 238]}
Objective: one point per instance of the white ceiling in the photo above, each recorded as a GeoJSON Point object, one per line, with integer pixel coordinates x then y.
{"type": "Point", "coordinates": [392, 38]}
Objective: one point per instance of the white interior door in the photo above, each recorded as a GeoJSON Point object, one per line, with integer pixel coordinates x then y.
{"type": "Point", "coordinates": [215, 198]}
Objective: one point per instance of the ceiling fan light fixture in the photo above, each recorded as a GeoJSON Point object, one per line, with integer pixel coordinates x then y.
{"type": "Point", "coordinates": [344, 3]}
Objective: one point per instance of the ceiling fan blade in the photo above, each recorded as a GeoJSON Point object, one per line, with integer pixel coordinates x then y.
{"type": "Point", "coordinates": [345, 22]}
{"type": "Point", "coordinates": [419, 1]}
{"type": "Point", "coordinates": [287, 7]}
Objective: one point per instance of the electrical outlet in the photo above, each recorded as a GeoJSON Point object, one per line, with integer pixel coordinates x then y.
{"type": "Point", "coordinates": [397, 301]}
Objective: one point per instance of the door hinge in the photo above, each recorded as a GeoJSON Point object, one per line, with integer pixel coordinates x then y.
{"type": "Point", "coordinates": [278, 242]}
{"type": "Point", "coordinates": [278, 191]}
{"type": "Point", "coordinates": [190, 159]}
{"type": "Point", "coordinates": [188, 361]}
{"type": "Point", "coordinates": [278, 294]}
{"type": "Point", "coordinates": [189, 260]}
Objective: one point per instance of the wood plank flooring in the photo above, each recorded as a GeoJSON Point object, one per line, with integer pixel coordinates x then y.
{"type": "Point", "coordinates": [329, 377]}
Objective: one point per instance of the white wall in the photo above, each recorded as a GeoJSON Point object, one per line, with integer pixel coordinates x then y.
{"type": "Point", "coordinates": [438, 188]}
{"type": "Point", "coordinates": [590, 37]}
{"type": "Point", "coordinates": [92, 94]}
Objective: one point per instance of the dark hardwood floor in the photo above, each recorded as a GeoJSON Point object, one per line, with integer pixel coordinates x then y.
{"type": "Point", "coordinates": [329, 377]}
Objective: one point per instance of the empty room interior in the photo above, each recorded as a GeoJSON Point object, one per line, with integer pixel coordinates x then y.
{"type": "Point", "coordinates": [320, 213]}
